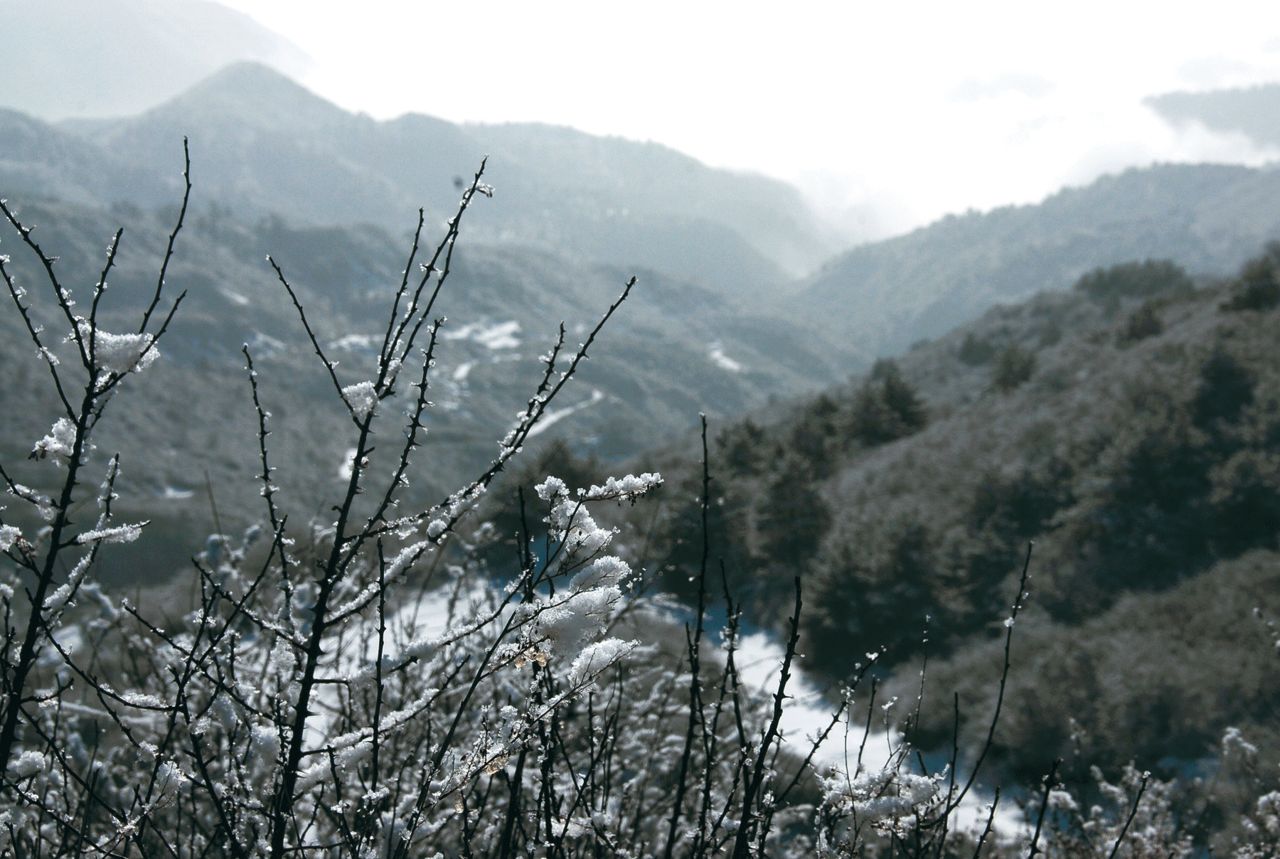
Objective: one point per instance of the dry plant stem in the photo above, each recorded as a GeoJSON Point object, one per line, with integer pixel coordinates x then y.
{"type": "Point", "coordinates": [1049, 781]}
{"type": "Point", "coordinates": [61, 296]}
{"type": "Point", "coordinates": [953, 804]}
{"type": "Point", "coordinates": [695, 669]}
{"type": "Point", "coordinates": [747, 823]}
{"type": "Point", "coordinates": [537, 405]}
{"type": "Point", "coordinates": [1137, 800]}
{"type": "Point", "coordinates": [92, 402]}
{"type": "Point", "coordinates": [335, 566]}
{"type": "Point", "coordinates": [986, 830]}
{"type": "Point", "coordinates": [311, 334]}
{"type": "Point", "coordinates": [173, 236]}
{"type": "Point", "coordinates": [33, 331]}
{"type": "Point", "coordinates": [404, 284]}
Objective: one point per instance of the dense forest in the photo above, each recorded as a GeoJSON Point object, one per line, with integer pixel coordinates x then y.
{"type": "Point", "coordinates": [1128, 428]}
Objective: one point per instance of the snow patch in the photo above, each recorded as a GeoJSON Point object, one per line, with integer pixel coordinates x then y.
{"type": "Point", "coordinates": [554, 416]}
{"type": "Point", "coordinates": [348, 464]}
{"type": "Point", "coordinates": [759, 660]}
{"type": "Point", "coordinates": [263, 345]}
{"type": "Point", "coordinates": [356, 342]}
{"type": "Point", "coordinates": [721, 360]}
{"type": "Point", "coordinates": [497, 335]}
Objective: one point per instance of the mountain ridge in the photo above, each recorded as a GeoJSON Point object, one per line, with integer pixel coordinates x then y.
{"type": "Point", "coordinates": [886, 295]}
{"type": "Point", "coordinates": [270, 145]}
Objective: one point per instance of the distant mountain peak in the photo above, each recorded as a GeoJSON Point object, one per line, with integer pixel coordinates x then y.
{"type": "Point", "coordinates": [249, 91]}
{"type": "Point", "coordinates": [69, 59]}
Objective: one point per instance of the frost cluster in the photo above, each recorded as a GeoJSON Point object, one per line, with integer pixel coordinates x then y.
{"type": "Point", "coordinates": [888, 799]}
{"type": "Point", "coordinates": [595, 658]}
{"type": "Point", "coordinates": [120, 353]}
{"type": "Point", "coordinates": [117, 534]}
{"type": "Point", "coordinates": [567, 627]}
{"type": "Point", "coordinates": [29, 763]}
{"type": "Point", "coordinates": [1266, 814]}
{"type": "Point", "coordinates": [362, 398]}
{"type": "Point", "coordinates": [627, 488]}
{"type": "Point", "coordinates": [59, 443]}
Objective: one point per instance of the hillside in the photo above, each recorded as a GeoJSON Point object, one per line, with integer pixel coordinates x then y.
{"type": "Point", "coordinates": [268, 145]}
{"type": "Point", "coordinates": [675, 348]}
{"type": "Point", "coordinates": [1128, 427]}
{"type": "Point", "coordinates": [882, 297]}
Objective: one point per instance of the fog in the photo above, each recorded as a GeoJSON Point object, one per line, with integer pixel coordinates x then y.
{"type": "Point", "coordinates": [887, 118]}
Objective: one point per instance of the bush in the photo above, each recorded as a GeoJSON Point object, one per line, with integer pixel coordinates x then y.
{"type": "Point", "coordinates": [314, 699]}
{"type": "Point", "coordinates": [1014, 365]}
{"type": "Point", "coordinates": [1258, 287]}
{"type": "Point", "coordinates": [1141, 324]}
{"type": "Point", "coordinates": [1146, 279]}
{"type": "Point", "coordinates": [311, 700]}
{"type": "Point", "coordinates": [886, 407]}
{"type": "Point", "coordinates": [976, 351]}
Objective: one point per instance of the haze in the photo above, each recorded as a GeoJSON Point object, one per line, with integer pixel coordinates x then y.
{"type": "Point", "coordinates": [887, 114]}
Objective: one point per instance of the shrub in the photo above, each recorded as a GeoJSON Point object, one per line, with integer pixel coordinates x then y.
{"type": "Point", "coordinates": [313, 701]}
{"type": "Point", "coordinates": [1140, 324]}
{"type": "Point", "coordinates": [1014, 365]}
{"type": "Point", "coordinates": [1146, 279]}
{"type": "Point", "coordinates": [976, 351]}
{"type": "Point", "coordinates": [886, 407]}
{"type": "Point", "coordinates": [1258, 287]}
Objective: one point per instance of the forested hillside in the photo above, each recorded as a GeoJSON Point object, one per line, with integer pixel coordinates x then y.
{"type": "Point", "coordinates": [1128, 427]}
{"type": "Point", "coordinates": [882, 297]}
{"type": "Point", "coordinates": [681, 350]}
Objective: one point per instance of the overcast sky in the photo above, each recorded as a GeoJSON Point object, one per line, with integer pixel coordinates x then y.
{"type": "Point", "coordinates": [912, 109]}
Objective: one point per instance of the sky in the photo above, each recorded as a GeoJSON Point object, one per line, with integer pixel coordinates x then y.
{"type": "Point", "coordinates": [887, 114]}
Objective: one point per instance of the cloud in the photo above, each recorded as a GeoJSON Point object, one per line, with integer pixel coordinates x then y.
{"type": "Point", "coordinates": [1216, 72]}
{"type": "Point", "coordinates": [1014, 83]}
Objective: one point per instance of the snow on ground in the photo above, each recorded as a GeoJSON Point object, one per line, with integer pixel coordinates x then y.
{"type": "Point", "coordinates": [723, 361]}
{"type": "Point", "coordinates": [553, 416]}
{"type": "Point", "coordinates": [759, 660]}
{"type": "Point", "coordinates": [496, 335]}
{"type": "Point", "coordinates": [463, 370]}
{"type": "Point", "coordinates": [348, 464]}
{"type": "Point", "coordinates": [262, 345]}
{"type": "Point", "coordinates": [357, 342]}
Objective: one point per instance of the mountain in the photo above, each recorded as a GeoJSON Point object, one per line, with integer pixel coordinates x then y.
{"type": "Point", "coordinates": [267, 144]}
{"type": "Point", "coordinates": [1128, 427]}
{"type": "Point", "coordinates": [674, 349]}
{"type": "Point", "coordinates": [1252, 111]}
{"type": "Point", "coordinates": [119, 57]}
{"type": "Point", "coordinates": [882, 297]}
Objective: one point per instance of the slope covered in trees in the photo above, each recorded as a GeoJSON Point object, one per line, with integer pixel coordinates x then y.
{"type": "Point", "coordinates": [1134, 441]}
{"type": "Point", "coordinates": [882, 297]}
{"type": "Point", "coordinates": [661, 367]}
